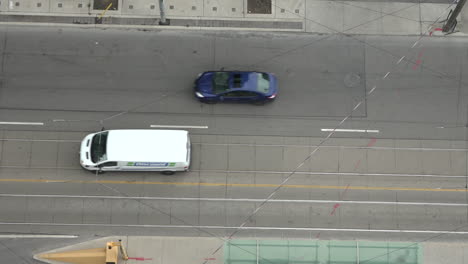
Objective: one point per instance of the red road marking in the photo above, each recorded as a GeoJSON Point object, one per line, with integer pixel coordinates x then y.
{"type": "Point", "coordinates": [334, 208]}
{"type": "Point", "coordinates": [372, 142]}
{"type": "Point", "coordinates": [357, 164]}
{"type": "Point", "coordinates": [435, 29]}
{"type": "Point", "coordinates": [318, 235]}
{"type": "Point", "coordinates": [210, 258]}
{"type": "Point", "coordinates": [141, 259]}
{"type": "Point", "coordinates": [418, 61]}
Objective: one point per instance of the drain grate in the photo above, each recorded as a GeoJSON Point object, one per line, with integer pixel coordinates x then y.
{"type": "Point", "coordinates": [259, 6]}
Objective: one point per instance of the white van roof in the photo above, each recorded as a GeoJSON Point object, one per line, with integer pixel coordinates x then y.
{"type": "Point", "coordinates": [138, 145]}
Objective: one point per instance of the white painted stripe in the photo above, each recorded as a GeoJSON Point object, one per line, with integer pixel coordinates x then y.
{"type": "Point", "coordinates": [37, 236]}
{"type": "Point", "coordinates": [373, 88]}
{"type": "Point", "coordinates": [266, 145]}
{"type": "Point", "coordinates": [331, 146]}
{"type": "Point", "coordinates": [248, 228]}
{"type": "Point", "coordinates": [23, 123]}
{"type": "Point", "coordinates": [386, 75]}
{"type": "Point", "coordinates": [170, 126]}
{"type": "Point", "coordinates": [400, 59]}
{"type": "Point", "coordinates": [196, 199]}
{"type": "Point", "coordinates": [337, 173]}
{"type": "Point", "coordinates": [270, 172]}
{"type": "Point", "coordinates": [350, 130]}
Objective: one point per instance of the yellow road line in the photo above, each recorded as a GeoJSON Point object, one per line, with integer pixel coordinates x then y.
{"type": "Point", "coordinates": [104, 12]}
{"type": "Point", "coordinates": [246, 185]}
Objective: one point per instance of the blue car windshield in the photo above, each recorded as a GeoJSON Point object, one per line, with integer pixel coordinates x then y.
{"type": "Point", "coordinates": [220, 82]}
{"type": "Point", "coordinates": [263, 82]}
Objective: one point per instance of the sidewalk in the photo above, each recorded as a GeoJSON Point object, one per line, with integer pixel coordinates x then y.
{"type": "Point", "coordinates": [176, 250]}
{"type": "Point", "coordinates": [312, 16]}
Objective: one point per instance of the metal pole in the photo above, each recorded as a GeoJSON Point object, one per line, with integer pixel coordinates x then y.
{"type": "Point", "coordinates": [452, 20]}
{"type": "Point", "coordinates": [162, 11]}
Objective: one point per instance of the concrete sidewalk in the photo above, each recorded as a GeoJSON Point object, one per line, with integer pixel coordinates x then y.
{"type": "Point", "coordinates": [313, 16]}
{"type": "Point", "coordinates": [176, 250]}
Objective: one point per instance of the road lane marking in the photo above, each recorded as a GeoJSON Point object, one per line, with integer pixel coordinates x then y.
{"type": "Point", "coordinates": [369, 146]}
{"type": "Point", "coordinates": [37, 236]}
{"type": "Point", "coordinates": [23, 123]}
{"type": "Point", "coordinates": [246, 228]}
{"type": "Point", "coordinates": [270, 172]}
{"type": "Point", "coordinates": [246, 185]}
{"type": "Point", "coordinates": [350, 130]}
{"type": "Point", "coordinates": [171, 126]}
{"type": "Point", "coordinates": [235, 200]}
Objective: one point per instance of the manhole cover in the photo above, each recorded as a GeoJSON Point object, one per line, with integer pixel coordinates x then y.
{"type": "Point", "coordinates": [104, 4]}
{"type": "Point", "coordinates": [352, 80]}
{"type": "Point", "coordinates": [259, 6]}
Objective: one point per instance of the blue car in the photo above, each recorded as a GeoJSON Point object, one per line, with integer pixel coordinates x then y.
{"type": "Point", "coordinates": [236, 86]}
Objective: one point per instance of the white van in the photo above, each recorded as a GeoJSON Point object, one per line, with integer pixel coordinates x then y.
{"type": "Point", "coordinates": [167, 151]}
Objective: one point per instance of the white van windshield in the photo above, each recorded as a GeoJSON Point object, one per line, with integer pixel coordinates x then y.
{"type": "Point", "coordinates": [99, 147]}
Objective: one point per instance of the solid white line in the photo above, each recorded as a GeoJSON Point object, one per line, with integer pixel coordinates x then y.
{"type": "Point", "coordinates": [37, 236]}
{"type": "Point", "coordinates": [400, 59]}
{"type": "Point", "coordinates": [169, 126]}
{"type": "Point", "coordinates": [350, 130]}
{"type": "Point", "coordinates": [249, 228]}
{"type": "Point", "coordinates": [338, 173]}
{"type": "Point", "coordinates": [226, 199]}
{"type": "Point", "coordinates": [330, 146]}
{"type": "Point", "coordinates": [23, 123]}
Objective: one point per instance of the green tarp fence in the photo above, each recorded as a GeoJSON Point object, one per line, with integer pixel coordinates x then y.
{"type": "Point", "coordinates": [320, 252]}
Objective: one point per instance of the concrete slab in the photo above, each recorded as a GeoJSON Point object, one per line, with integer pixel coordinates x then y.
{"type": "Point", "coordinates": [184, 8]}
{"type": "Point", "coordinates": [268, 158]}
{"type": "Point", "coordinates": [352, 160]}
{"type": "Point", "coordinates": [27, 6]}
{"type": "Point", "coordinates": [16, 153]}
{"type": "Point", "coordinates": [405, 16]}
{"type": "Point", "coordinates": [97, 211]}
{"type": "Point", "coordinates": [211, 213]}
{"type": "Point", "coordinates": [290, 9]}
{"type": "Point", "coordinates": [294, 156]}
{"type": "Point", "coordinates": [16, 209]}
{"type": "Point", "coordinates": [381, 161]}
{"type": "Point", "coordinates": [214, 157]}
{"type": "Point", "coordinates": [408, 161]}
{"type": "Point", "coordinates": [221, 8]}
{"type": "Point", "coordinates": [362, 18]}
{"type": "Point", "coordinates": [44, 154]}
{"type": "Point", "coordinates": [69, 6]}
{"type": "Point", "coordinates": [458, 163]}
{"type": "Point", "coordinates": [68, 155]}
{"type": "Point", "coordinates": [183, 213]}
{"type": "Point", "coordinates": [445, 253]}
{"type": "Point", "coordinates": [241, 158]}
{"type": "Point", "coordinates": [324, 160]}
{"type": "Point", "coordinates": [140, 8]}
{"type": "Point", "coordinates": [195, 160]}
{"type": "Point", "coordinates": [324, 16]}
{"type": "Point", "coordinates": [119, 212]}
{"type": "Point", "coordinates": [154, 213]}
{"type": "Point", "coordinates": [68, 211]}
{"type": "Point", "coordinates": [436, 162]}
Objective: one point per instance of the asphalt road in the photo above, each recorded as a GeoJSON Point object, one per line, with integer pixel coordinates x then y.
{"type": "Point", "coordinates": [407, 182]}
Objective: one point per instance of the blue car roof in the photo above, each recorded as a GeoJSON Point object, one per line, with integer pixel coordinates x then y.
{"type": "Point", "coordinates": [236, 80]}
